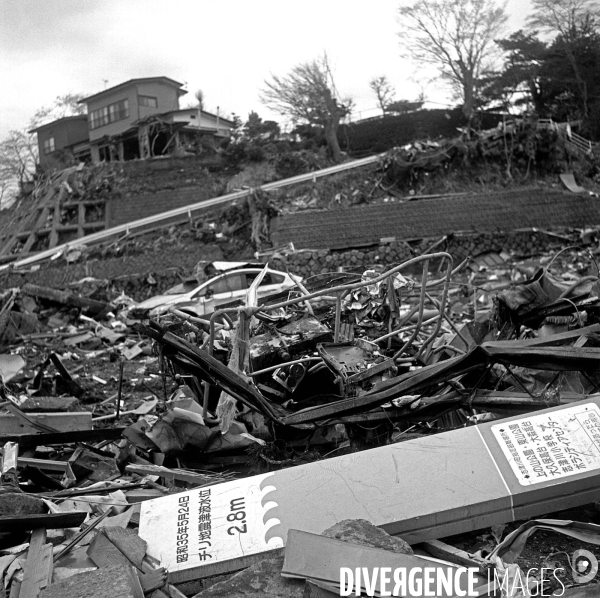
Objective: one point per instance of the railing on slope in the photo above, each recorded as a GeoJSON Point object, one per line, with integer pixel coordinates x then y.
{"type": "Point", "coordinates": [186, 211]}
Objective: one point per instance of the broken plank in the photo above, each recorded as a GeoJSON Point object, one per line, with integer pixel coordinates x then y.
{"type": "Point", "coordinates": [421, 489]}
{"type": "Point", "coordinates": [61, 422]}
{"type": "Point", "coordinates": [128, 543]}
{"type": "Point", "coordinates": [69, 437]}
{"type": "Point", "coordinates": [106, 487]}
{"type": "Point", "coordinates": [15, 588]}
{"type": "Point", "coordinates": [143, 494]}
{"type": "Point", "coordinates": [169, 474]}
{"type": "Point", "coordinates": [45, 464]}
{"type": "Point", "coordinates": [47, 521]}
{"type": "Point", "coordinates": [37, 573]}
{"type": "Point", "coordinates": [82, 534]}
{"type": "Point", "coordinates": [65, 298]}
{"type": "Point", "coordinates": [104, 553]}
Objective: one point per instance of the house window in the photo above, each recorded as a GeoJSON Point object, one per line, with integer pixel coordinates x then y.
{"type": "Point", "coordinates": [49, 145]}
{"type": "Point", "coordinates": [109, 114]}
{"type": "Point", "coordinates": [148, 101]}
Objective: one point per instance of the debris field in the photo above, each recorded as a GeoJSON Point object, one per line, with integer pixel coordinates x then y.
{"type": "Point", "coordinates": [428, 409]}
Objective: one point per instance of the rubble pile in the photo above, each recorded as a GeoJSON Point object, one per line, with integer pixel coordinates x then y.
{"type": "Point", "coordinates": [347, 387]}
{"type": "Point", "coordinates": [61, 206]}
{"type": "Point", "coordinates": [512, 152]}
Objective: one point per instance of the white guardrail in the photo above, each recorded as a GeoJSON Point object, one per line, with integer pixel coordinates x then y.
{"type": "Point", "coordinates": [187, 210]}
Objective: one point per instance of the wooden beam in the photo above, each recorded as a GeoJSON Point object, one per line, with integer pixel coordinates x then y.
{"type": "Point", "coordinates": [10, 425]}
{"type": "Point", "coordinates": [70, 437]}
{"type": "Point", "coordinates": [64, 297]}
{"type": "Point", "coordinates": [47, 521]}
{"type": "Point", "coordinates": [44, 464]}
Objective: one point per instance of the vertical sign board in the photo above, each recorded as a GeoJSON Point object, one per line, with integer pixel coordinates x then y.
{"type": "Point", "coordinates": [421, 489]}
{"type": "Point", "coordinates": [210, 525]}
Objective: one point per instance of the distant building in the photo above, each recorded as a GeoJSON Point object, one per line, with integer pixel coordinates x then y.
{"type": "Point", "coordinates": [112, 114]}
{"type": "Point", "coordinates": [206, 122]}
{"type": "Point", "coordinates": [62, 141]}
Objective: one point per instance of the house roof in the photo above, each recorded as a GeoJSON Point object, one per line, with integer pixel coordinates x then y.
{"type": "Point", "coordinates": [203, 112]}
{"type": "Point", "coordinates": [166, 80]}
{"type": "Point", "coordinates": [59, 120]}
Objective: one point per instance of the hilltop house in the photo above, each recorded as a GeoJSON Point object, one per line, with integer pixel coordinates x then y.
{"type": "Point", "coordinates": [63, 139]}
{"type": "Point", "coordinates": [114, 112]}
{"type": "Point", "coordinates": [140, 118]}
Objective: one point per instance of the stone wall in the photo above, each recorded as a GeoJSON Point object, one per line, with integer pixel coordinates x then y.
{"type": "Point", "coordinates": [310, 263]}
{"type": "Point", "coordinates": [142, 276]}
{"type": "Point", "coordinates": [127, 209]}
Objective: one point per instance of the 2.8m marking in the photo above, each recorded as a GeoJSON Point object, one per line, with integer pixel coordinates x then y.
{"type": "Point", "coordinates": [237, 513]}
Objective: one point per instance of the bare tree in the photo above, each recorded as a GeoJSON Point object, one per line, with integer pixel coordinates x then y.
{"type": "Point", "coordinates": [561, 16]}
{"type": "Point", "coordinates": [454, 36]}
{"type": "Point", "coordinates": [566, 18]}
{"type": "Point", "coordinates": [65, 105]}
{"type": "Point", "coordinates": [308, 94]}
{"type": "Point", "coordinates": [19, 150]}
{"type": "Point", "coordinates": [18, 157]}
{"type": "Point", "coordinates": [383, 90]}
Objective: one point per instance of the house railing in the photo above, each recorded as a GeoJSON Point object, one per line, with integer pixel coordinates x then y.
{"type": "Point", "coordinates": [572, 140]}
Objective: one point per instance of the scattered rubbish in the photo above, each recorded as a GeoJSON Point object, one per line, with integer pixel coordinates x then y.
{"type": "Point", "coordinates": [568, 180]}
{"type": "Point", "coordinates": [147, 456]}
{"type": "Point", "coordinates": [10, 366]}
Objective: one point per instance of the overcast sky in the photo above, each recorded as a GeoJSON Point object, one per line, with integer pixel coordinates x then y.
{"type": "Point", "coordinates": [225, 47]}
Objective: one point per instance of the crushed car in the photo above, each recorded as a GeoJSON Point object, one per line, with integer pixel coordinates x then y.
{"type": "Point", "coordinates": [226, 282]}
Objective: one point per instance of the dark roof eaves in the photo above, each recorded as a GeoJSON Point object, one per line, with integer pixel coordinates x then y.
{"type": "Point", "coordinates": [111, 89]}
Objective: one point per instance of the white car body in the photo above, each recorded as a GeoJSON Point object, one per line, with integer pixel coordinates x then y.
{"type": "Point", "coordinates": [224, 288]}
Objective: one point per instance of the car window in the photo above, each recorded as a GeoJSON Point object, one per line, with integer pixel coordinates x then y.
{"type": "Point", "coordinates": [269, 278]}
{"type": "Point", "coordinates": [182, 288]}
{"type": "Point", "coordinates": [228, 284]}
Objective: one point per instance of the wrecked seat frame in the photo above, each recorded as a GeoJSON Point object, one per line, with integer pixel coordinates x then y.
{"type": "Point", "coordinates": [342, 290]}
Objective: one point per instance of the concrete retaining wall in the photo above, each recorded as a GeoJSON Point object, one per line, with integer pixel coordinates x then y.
{"type": "Point", "coordinates": [141, 276]}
